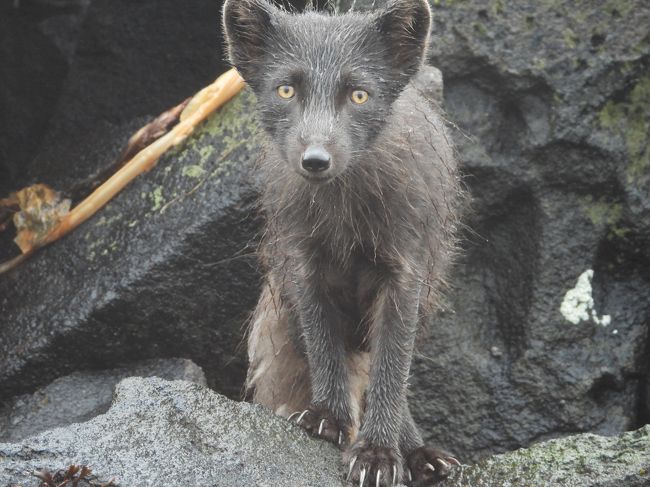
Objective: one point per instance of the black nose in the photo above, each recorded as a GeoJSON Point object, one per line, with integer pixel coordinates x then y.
{"type": "Point", "coordinates": [316, 159]}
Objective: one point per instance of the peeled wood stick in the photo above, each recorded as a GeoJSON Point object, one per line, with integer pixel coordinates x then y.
{"type": "Point", "coordinates": [202, 105]}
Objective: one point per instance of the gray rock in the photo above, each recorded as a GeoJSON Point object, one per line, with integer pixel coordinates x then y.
{"type": "Point", "coordinates": [31, 80]}
{"type": "Point", "coordinates": [123, 69]}
{"type": "Point", "coordinates": [553, 99]}
{"type": "Point", "coordinates": [577, 461]}
{"type": "Point", "coordinates": [164, 270]}
{"type": "Point", "coordinates": [178, 433]}
{"type": "Point", "coordinates": [81, 396]}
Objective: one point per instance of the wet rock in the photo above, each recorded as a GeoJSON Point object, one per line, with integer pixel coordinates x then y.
{"type": "Point", "coordinates": [167, 269]}
{"type": "Point", "coordinates": [577, 461]}
{"type": "Point", "coordinates": [159, 432]}
{"type": "Point", "coordinates": [556, 104]}
{"type": "Point", "coordinates": [178, 433]}
{"type": "Point", "coordinates": [31, 79]}
{"type": "Point", "coordinates": [133, 60]}
{"type": "Point", "coordinates": [81, 396]}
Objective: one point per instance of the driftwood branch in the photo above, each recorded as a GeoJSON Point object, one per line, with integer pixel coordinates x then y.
{"type": "Point", "coordinates": [192, 114]}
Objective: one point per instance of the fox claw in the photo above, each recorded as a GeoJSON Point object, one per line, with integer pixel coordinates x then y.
{"type": "Point", "coordinates": [320, 423]}
{"type": "Point", "coordinates": [378, 466]}
{"type": "Point", "coordinates": [352, 462]}
{"type": "Point", "coordinates": [302, 416]}
{"type": "Point", "coordinates": [427, 466]}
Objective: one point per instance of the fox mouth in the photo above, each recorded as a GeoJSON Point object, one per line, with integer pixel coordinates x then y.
{"type": "Point", "coordinates": [316, 177]}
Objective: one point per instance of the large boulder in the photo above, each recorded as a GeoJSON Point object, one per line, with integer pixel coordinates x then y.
{"type": "Point", "coordinates": [550, 330]}
{"type": "Point", "coordinates": [82, 395]}
{"type": "Point", "coordinates": [585, 460]}
{"type": "Point", "coordinates": [167, 269]}
{"type": "Point", "coordinates": [178, 433]}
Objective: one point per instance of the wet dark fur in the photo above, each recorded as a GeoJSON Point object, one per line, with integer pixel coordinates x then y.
{"type": "Point", "coordinates": [356, 260]}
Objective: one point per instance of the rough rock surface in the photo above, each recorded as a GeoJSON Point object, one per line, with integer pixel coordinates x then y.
{"type": "Point", "coordinates": [159, 432]}
{"type": "Point", "coordinates": [178, 433]}
{"type": "Point", "coordinates": [36, 42]}
{"type": "Point", "coordinates": [555, 98]}
{"type": "Point", "coordinates": [162, 271]}
{"type": "Point", "coordinates": [131, 60]}
{"type": "Point", "coordinates": [81, 396]}
{"type": "Point", "coordinates": [577, 461]}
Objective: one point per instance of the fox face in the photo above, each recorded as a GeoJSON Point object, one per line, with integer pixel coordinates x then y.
{"type": "Point", "coordinates": [325, 84]}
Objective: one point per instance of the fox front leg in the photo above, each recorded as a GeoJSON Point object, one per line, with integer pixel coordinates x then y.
{"type": "Point", "coordinates": [375, 458]}
{"type": "Point", "coordinates": [321, 323]}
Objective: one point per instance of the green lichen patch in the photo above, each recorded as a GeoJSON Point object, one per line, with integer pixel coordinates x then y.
{"type": "Point", "coordinates": [604, 213]}
{"type": "Point", "coordinates": [193, 171]}
{"type": "Point", "coordinates": [576, 461]}
{"type": "Point", "coordinates": [157, 198]}
{"type": "Point", "coordinates": [630, 119]}
{"type": "Point", "coordinates": [570, 38]}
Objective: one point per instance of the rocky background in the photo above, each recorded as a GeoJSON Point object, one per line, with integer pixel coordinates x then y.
{"type": "Point", "coordinates": [548, 329]}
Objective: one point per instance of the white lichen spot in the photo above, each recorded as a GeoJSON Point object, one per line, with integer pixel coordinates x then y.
{"type": "Point", "coordinates": [578, 303]}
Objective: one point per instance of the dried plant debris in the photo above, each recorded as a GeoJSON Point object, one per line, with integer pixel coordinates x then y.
{"type": "Point", "coordinates": [41, 209]}
{"type": "Point", "coordinates": [73, 476]}
{"type": "Point", "coordinates": [8, 207]}
{"type": "Point", "coordinates": [45, 216]}
{"type": "Point", "coordinates": [142, 139]}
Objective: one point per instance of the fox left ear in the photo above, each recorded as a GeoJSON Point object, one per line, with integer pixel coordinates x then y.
{"type": "Point", "coordinates": [405, 26]}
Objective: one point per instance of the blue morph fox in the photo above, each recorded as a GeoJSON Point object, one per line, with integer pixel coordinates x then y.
{"type": "Point", "coordinates": [361, 198]}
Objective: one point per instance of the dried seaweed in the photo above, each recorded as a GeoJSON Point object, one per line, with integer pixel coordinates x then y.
{"type": "Point", "coordinates": [73, 476]}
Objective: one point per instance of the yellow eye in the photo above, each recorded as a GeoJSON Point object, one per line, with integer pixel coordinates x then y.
{"type": "Point", "coordinates": [286, 91]}
{"type": "Point", "coordinates": [360, 97]}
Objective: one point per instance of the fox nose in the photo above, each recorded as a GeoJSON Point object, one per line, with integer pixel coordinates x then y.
{"type": "Point", "coordinates": [316, 159]}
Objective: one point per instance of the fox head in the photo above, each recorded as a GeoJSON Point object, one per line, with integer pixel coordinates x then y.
{"type": "Point", "coordinates": [325, 84]}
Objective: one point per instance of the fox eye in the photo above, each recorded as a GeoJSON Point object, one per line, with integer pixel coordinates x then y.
{"type": "Point", "coordinates": [286, 91]}
{"type": "Point", "coordinates": [360, 96]}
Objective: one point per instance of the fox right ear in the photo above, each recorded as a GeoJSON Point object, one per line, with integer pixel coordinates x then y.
{"type": "Point", "coordinates": [405, 25]}
{"type": "Point", "coordinates": [248, 26]}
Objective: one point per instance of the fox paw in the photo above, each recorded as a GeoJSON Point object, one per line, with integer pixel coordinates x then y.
{"type": "Point", "coordinates": [319, 423]}
{"type": "Point", "coordinates": [373, 466]}
{"type": "Point", "coordinates": [427, 466]}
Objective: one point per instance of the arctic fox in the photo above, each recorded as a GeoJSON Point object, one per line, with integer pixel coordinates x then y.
{"type": "Point", "coordinates": [361, 198]}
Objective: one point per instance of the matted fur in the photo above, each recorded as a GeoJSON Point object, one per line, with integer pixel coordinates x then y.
{"type": "Point", "coordinates": [356, 260]}
{"type": "Point", "coordinates": [278, 372]}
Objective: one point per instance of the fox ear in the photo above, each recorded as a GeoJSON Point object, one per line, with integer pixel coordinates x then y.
{"type": "Point", "coordinates": [405, 25]}
{"type": "Point", "coordinates": [248, 26]}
